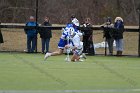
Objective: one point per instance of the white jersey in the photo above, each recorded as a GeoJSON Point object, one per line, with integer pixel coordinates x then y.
{"type": "Point", "coordinates": [76, 42]}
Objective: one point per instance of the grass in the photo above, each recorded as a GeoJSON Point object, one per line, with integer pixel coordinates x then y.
{"type": "Point", "coordinates": [22, 72]}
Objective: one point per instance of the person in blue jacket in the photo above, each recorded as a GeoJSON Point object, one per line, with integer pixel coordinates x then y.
{"type": "Point", "coordinates": [31, 35]}
{"type": "Point", "coordinates": [118, 35]}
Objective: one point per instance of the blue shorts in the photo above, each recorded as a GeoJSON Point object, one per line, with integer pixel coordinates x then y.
{"type": "Point", "coordinates": [62, 43]}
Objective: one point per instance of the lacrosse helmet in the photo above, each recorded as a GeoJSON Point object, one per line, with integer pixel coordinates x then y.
{"type": "Point", "coordinates": [71, 31]}
{"type": "Point", "coordinates": [69, 25]}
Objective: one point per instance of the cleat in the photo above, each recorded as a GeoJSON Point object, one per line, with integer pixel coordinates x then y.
{"type": "Point", "coordinates": [84, 56]}
{"type": "Point", "coordinates": [47, 55]}
{"type": "Point", "coordinates": [80, 60]}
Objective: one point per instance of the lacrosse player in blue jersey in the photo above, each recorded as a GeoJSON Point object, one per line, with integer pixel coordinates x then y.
{"type": "Point", "coordinates": [62, 42]}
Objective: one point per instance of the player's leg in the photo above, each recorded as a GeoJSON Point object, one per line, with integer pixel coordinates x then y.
{"type": "Point", "coordinates": [76, 55]}
{"type": "Point", "coordinates": [61, 46]}
{"type": "Point", "coordinates": [58, 52]}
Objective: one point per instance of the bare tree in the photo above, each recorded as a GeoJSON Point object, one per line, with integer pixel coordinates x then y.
{"type": "Point", "coordinates": [60, 10]}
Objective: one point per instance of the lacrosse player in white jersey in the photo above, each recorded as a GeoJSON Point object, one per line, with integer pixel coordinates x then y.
{"type": "Point", "coordinates": [76, 46]}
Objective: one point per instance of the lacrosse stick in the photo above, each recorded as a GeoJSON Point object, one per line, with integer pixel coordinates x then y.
{"type": "Point", "coordinates": [67, 59]}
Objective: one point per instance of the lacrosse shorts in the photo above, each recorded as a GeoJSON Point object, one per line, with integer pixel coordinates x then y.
{"type": "Point", "coordinates": [62, 43]}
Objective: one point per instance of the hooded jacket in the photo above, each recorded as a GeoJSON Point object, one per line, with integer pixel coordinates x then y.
{"type": "Point", "coordinates": [118, 28]}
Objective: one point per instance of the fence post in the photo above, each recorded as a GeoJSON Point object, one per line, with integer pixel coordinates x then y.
{"type": "Point", "coordinates": [138, 10]}
{"type": "Point", "coordinates": [139, 36]}
{"type": "Point", "coordinates": [36, 22]}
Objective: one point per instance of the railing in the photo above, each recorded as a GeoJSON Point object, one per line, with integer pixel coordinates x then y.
{"type": "Point", "coordinates": [59, 27]}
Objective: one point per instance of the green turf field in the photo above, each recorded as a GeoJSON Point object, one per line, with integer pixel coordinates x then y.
{"type": "Point", "coordinates": [29, 73]}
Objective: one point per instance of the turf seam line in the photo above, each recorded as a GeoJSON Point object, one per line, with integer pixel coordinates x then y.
{"type": "Point", "coordinates": [71, 91]}
{"type": "Point", "coordinates": [63, 83]}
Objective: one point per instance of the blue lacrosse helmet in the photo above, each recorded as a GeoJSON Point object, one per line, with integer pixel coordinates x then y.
{"type": "Point", "coordinates": [69, 25]}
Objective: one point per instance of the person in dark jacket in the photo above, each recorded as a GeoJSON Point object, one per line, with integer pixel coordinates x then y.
{"type": "Point", "coordinates": [1, 37]}
{"type": "Point", "coordinates": [31, 35]}
{"type": "Point", "coordinates": [88, 46]}
{"type": "Point", "coordinates": [108, 34]}
{"type": "Point", "coordinates": [45, 35]}
{"type": "Point", "coordinates": [118, 35]}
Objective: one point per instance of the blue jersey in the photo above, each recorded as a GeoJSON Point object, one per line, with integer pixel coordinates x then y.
{"type": "Point", "coordinates": [65, 37]}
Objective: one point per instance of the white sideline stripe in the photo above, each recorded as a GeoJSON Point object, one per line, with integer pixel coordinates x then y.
{"type": "Point", "coordinates": [70, 91]}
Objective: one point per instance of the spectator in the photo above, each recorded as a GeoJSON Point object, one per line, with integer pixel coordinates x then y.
{"type": "Point", "coordinates": [108, 34]}
{"type": "Point", "coordinates": [45, 35]}
{"type": "Point", "coordinates": [88, 46]}
{"type": "Point", "coordinates": [118, 35]}
{"type": "Point", "coordinates": [31, 35]}
{"type": "Point", "coordinates": [1, 37]}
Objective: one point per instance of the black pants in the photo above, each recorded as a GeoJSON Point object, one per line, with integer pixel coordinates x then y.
{"type": "Point", "coordinates": [1, 38]}
{"type": "Point", "coordinates": [88, 46]}
{"type": "Point", "coordinates": [110, 45]}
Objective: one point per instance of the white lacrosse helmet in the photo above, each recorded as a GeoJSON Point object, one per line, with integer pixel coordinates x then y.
{"type": "Point", "coordinates": [71, 31]}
